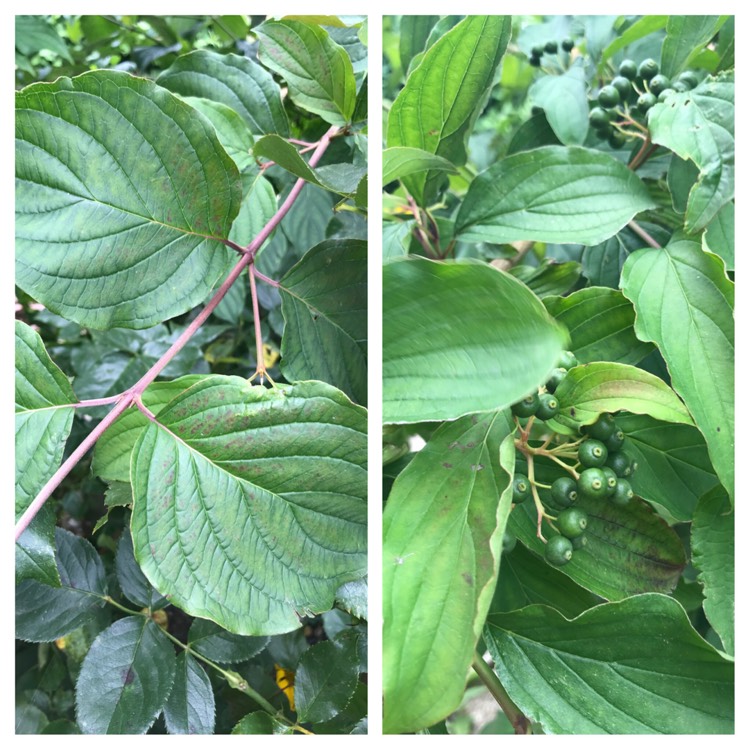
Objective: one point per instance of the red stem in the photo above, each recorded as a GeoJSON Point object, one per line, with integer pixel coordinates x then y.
{"type": "Point", "coordinates": [260, 364]}
{"type": "Point", "coordinates": [133, 394]}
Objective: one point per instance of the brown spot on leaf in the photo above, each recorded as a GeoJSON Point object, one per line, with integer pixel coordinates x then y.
{"type": "Point", "coordinates": [468, 578]}
{"type": "Point", "coordinates": [446, 465]}
{"type": "Point", "coordinates": [128, 676]}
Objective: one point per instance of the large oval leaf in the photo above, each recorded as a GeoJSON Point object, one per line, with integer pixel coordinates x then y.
{"type": "Point", "coordinates": [250, 503]}
{"type": "Point", "coordinates": [684, 303]}
{"type": "Point", "coordinates": [125, 678]}
{"type": "Point", "coordinates": [136, 191]}
{"type": "Point", "coordinates": [442, 532]}
{"type": "Point", "coordinates": [460, 337]}
{"type": "Point", "coordinates": [551, 194]}
{"type": "Point", "coordinates": [632, 667]}
{"type": "Point", "coordinates": [437, 108]}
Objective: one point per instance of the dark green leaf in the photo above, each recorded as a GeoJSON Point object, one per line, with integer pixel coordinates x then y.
{"type": "Point", "coordinates": [630, 667]}
{"type": "Point", "coordinates": [684, 303]}
{"type": "Point", "coordinates": [45, 613]}
{"type": "Point", "coordinates": [254, 470]}
{"type": "Point", "coordinates": [259, 722]}
{"type": "Point", "coordinates": [237, 82]}
{"type": "Point", "coordinates": [460, 319]}
{"type": "Point", "coordinates": [35, 550]}
{"type": "Point", "coordinates": [414, 32]}
{"type": "Point", "coordinates": [324, 303]}
{"type": "Point", "coordinates": [442, 529]}
{"type": "Point", "coordinates": [135, 190]}
{"type": "Point", "coordinates": [550, 278]}
{"type": "Point", "coordinates": [125, 679]}
{"type": "Point", "coordinates": [132, 582]}
{"type": "Point", "coordinates": [719, 236]}
{"type": "Point", "coordinates": [533, 133]}
{"type": "Point", "coordinates": [687, 35]}
{"type": "Point", "coordinates": [215, 643]}
{"type": "Point", "coordinates": [552, 194]}
{"type": "Point", "coordinates": [190, 708]}
{"type": "Point", "coordinates": [352, 598]}
{"type": "Point", "coordinates": [348, 720]}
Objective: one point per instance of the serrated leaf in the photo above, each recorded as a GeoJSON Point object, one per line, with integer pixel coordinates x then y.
{"type": "Point", "coordinates": [125, 679]}
{"type": "Point", "coordinates": [699, 125]}
{"type": "Point", "coordinates": [402, 161]}
{"type": "Point", "coordinates": [600, 322]}
{"type": "Point", "coordinates": [602, 674]}
{"type": "Point", "coordinates": [592, 389]}
{"type": "Point", "coordinates": [351, 718]}
{"type": "Point", "coordinates": [352, 598]}
{"type": "Point", "coordinates": [215, 643]}
{"type": "Point", "coordinates": [712, 542]}
{"type": "Point", "coordinates": [460, 319]}
{"type": "Point", "coordinates": [437, 108]}
{"type": "Point", "coordinates": [271, 482]}
{"type": "Point", "coordinates": [566, 108]}
{"type": "Point", "coordinates": [190, 708]}
{"type": "Point", "coordinates": [132, 581]}
{"type": "Point", "coordinates": [45, 613]}
{"type": "Point", "coordinates": [317, 69]}
{"type": "Point", "coordinates": [324, 303]}
{"type": "Point", "coordinates": [674, 469]}
{"type": "Point", "coordinates": [442, 533]}
{"type": "Point", "coordinates": [325, 680]}
{"type": "Point", "coordinates": [237, 82]}
{"type": "Point", "coordinates": [135, 191]}
{"type": "Point", "coordinates": [260, 722]}
{"type": "Point", "coordinates": [719, 236]}
{"type": "Point", "coordinates": [686, 36]}
{"type": "Point", "coordinates": [684, 303]}
{"type": "Point", "coordinates": [551, 194]}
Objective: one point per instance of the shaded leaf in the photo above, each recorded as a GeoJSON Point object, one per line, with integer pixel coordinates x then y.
{"type": "Point", "coordinates": [132, 581]}
{"type": "Point", "coordinates": [565, 104]}
{"type": "Point", "coordinates": [719, 236]}
{"type": "Point", "coordinates": [215, 643]}
{"type": "Point", "coordinates": [191, 707]}
{"type": "Point", "coordinates": [260, 722]}
{"type": "Point", "coordinates": [402, 161]}
{"type": "Point", "coordinates": [686, 36]}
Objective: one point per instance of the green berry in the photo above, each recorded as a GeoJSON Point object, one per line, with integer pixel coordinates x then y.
{"type": "Point", "coordinates": [598, 118]}
{"type": "Point", "coordinates": [548, 407]}
{"type": "Point", "coordinates": [623, 493]}
{"type": "Point", "coordinates": [567, 360]}
{"type": "Point", "coordinates": [680, 86]}
{"type": "Point", "coordinates": [603, 133]}
{"type": "Point", "coordinates": [619, 462]}
{"type": "Point", "coordinates": [616, 139]}
{"type": "Point", "coordinates": [564, 491]}
{"type": "Point", "coordinates": [608, 97]}
{"type": "Point", "coordinates": [611, 479]}
{"type": "Point", "coordinates": [559, 550]}
{"type": "Point", "coordinates": [628, 69]}
{"type": "Point", "coordinates": [527, 407]}
{"type": "Point", "coordinates": [521, 488]}
{"type": "Point", "coordinates": [658, 84]}
{"type": "Point", "coordinates": [624, 87]}
{"type": "Point", "coordinates": [536, 110]}
{"type": "Point", "coordinates": [648, 69]}
{"type": "Point", "coordinates": [664, 94]}
{"type": "Point", "coordinates": [535, 61]}
{"type": "Point", "coordinates": [688, 78]}
{"type": "Point", "coordinates": [509, 542]}
{"type": "Point", "coordinates": [615, 441]}
{"type": "Point", "coordinates": [580, 541]}
{"type": "Point", "coordinates": [592, 483]}
{"type": "Point", "coordinates": [592, 453]}
{"type": "Point", "coordinates": [572, 522]}
{"type": "Point", "coordinates": [602, 428]}
{"type": "Point", "coordinates": [645, 102]}
{"type": "Point", "coordinates": [567, 44]}
{"type": "Point", "coordinates": [550, 48]}
{"type": "Point", "coordinates": [558, 375]}
{"type": "Point", "coordinates": [537, 50]}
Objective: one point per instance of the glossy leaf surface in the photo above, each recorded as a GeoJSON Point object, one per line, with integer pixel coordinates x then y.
{"type": "Point", "coordinates": [191, 707]}
{"type": "Point", "coordinates": [215, 643]}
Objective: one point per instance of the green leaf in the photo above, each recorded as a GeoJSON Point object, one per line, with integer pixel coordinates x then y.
{"type": "Point", "coordinates": [270, 482]}
{"type": "Point", "coordinates": [35, 550]}
{"type": "Point", "coordinates": [35, 33]}
{"type": "Point", "coordinates": [237, 82]}
{"type": "Point", "coordinates": [324, 303]}
{"type": "Point", "coordinates": [112, 451]}
{"type": "Point", "coordinates": [45, 613]}
{"type": "Point", "coordinates": [125, 679]}
{"type": "Point", "coordinates": [442, 534]}
{"type": "Point", "coordinates": [29, 719]}
{"type": "Point", "coordinates": [684, 303]}
{"type": "Point", "coordinates": [437, 108]}
{"type": "Point", "coordinates": [642, 27]}
{"type": "Point", "coordinates": [630, 667]}
{"type": "Point", "coordinates": [258, 207]}
{"type": "Point", "coordinates": [719, 236]}
{"type": "Point", "coordinates": [396, 238]}
{"type": "Point", "coordinates": [318, 71]}
{"type": "Point", "coordinates": [338, 178]}
{"type": "Point", "coordinates": [190, 708]}
{"type": "Point", "coordinates": [551, 194]}
{"type": "Point", "coordinates": [712, 542]}
{"type": "Point", "coordinates": [630, 550]}
{"type": "Point", "coordinates": [325, 680]}
{"type": "Point", "coordinates": [402, 161]}
{"type": "Point", "coordinates": [686, 36]}
{"type": "Point", "coordinates": [466, 320]}
{"type": "Point", "coordinates": [132, 582]}
{"type": "Point", "coordinates": [533, 133]}
{"type": "Point", "coordinates": [352, 598]}
{"type": "Point", "coordinates": [592, 389]}
{"type": "Point", "coordinates": [674, 469]}
{"type": "Point", "coordinates": [600, 323]}
{"type": "Point", "coordinates": [681, 178]}
{"type": "Point", "coordinates": [414, 32]}
{"type": "Point", "coordinates": [216, 644]}
{"type": "Point", "coordinates": [699, 125]}
{"type": "Point", "coordinates": [259, 722]}
{"type": "Point", "coordinates": [136, 190]}
{"type": "Point", "coordinates": [527, 579]}
{"type": "Point", "coordinates": [351, 719]}
{"type": "Point", "coordinates": [549, 278]}
{"type": "Point", "coordinates": [565, 104]}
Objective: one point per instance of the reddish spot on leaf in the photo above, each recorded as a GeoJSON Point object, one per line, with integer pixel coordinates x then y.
{"type": "Point", "coordinates": [446, 465]}
{"type": "Point", "coordinates": [128, 676]}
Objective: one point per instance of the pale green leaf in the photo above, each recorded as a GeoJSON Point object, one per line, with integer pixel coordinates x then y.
{"type": "Point", "coordinates": [402, 161]}
{"type": "Point", "coordinates": [642, 27]}
{"type": "Point", "coordinates": [719, 236]}
{"type": "Point", "coordinates": [687, 35]}
{"type": "Point", "coordinates": [565, 104]}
